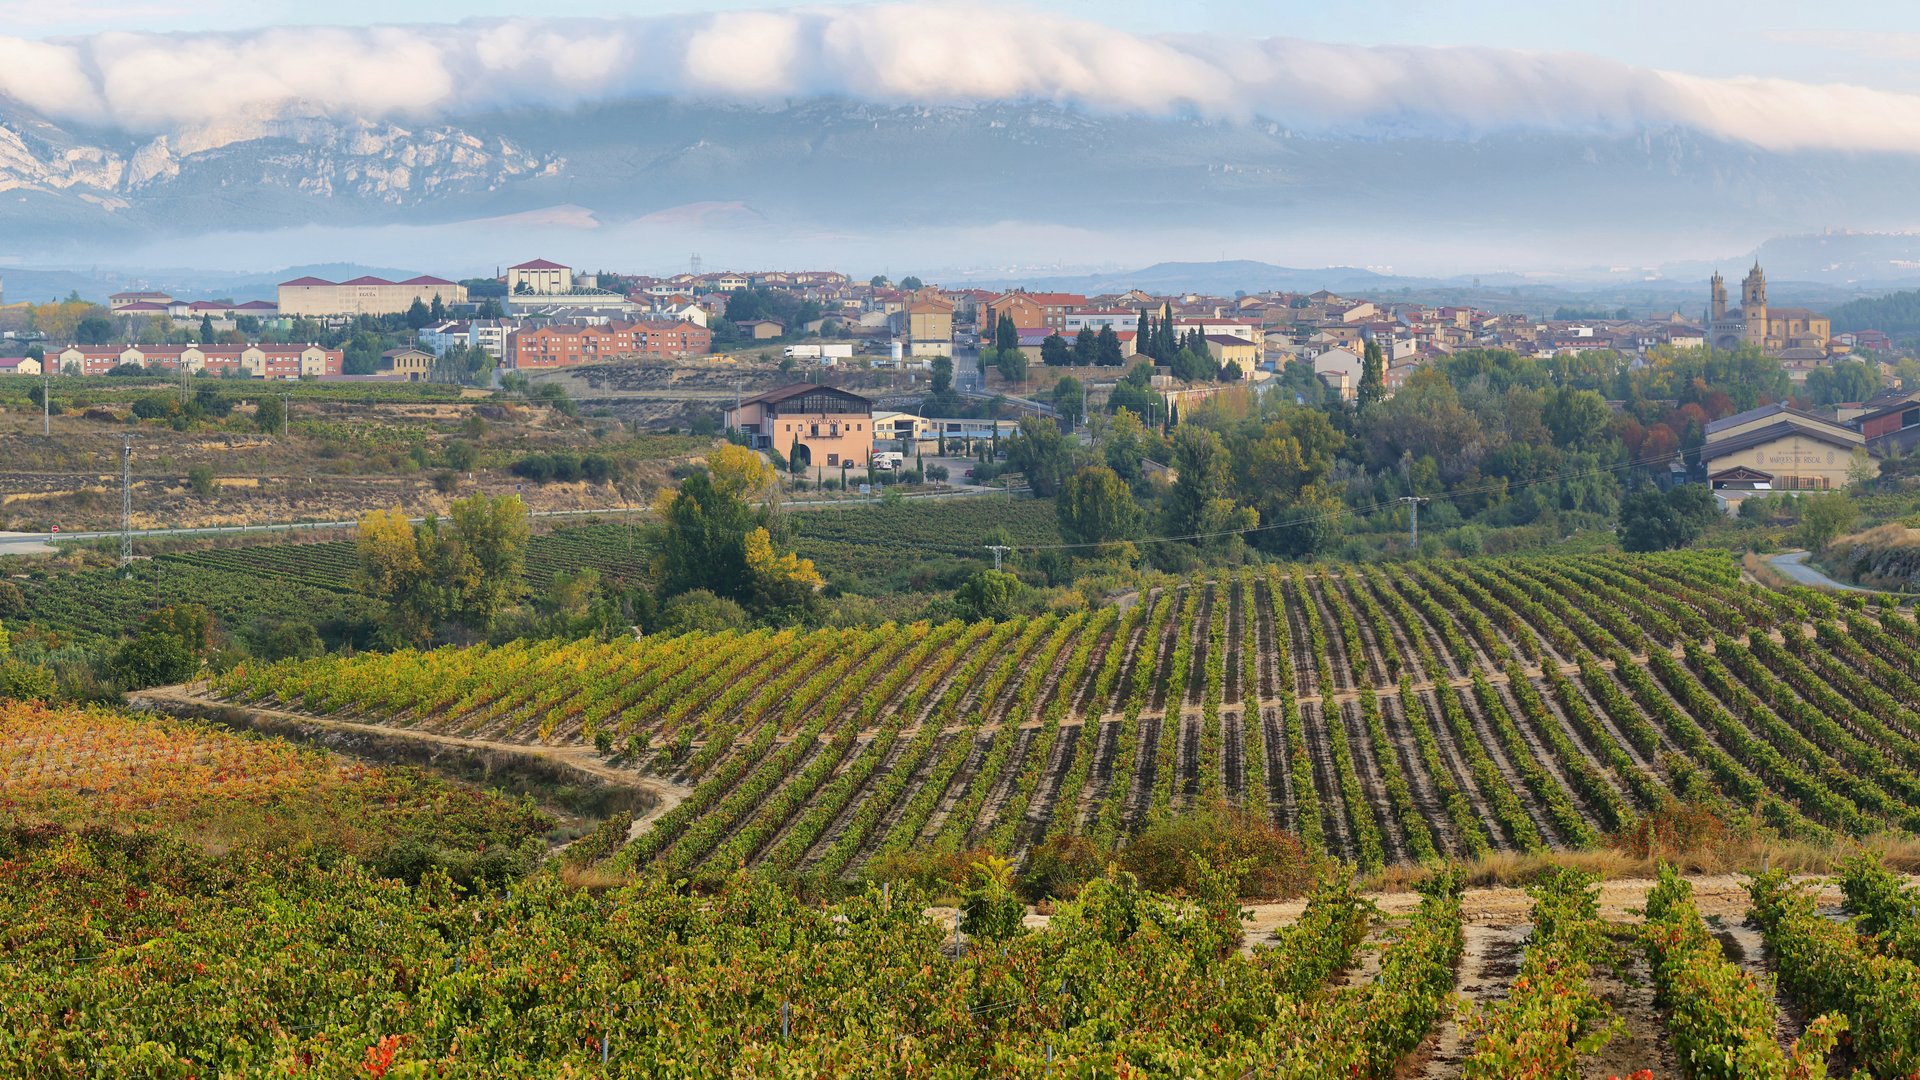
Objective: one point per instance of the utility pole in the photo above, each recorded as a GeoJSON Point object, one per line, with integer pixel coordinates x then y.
{"type": "Point", "coordinates": [286, 412]}
{"type": "Point", "coordinates": [46, 399]}
{"type": "Point", "coordinates": [1414, 501]}
{"type": "Point", "coordinates": [999, 550]}
{"type": "Point", "coordinates": [126, 501]}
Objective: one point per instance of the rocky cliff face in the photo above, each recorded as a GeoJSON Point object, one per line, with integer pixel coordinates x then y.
{"type": "Point", "coordinates": [248, 173]}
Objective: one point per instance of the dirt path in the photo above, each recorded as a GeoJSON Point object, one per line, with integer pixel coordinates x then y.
{"type": "Point", "coordinates": [181, 701]}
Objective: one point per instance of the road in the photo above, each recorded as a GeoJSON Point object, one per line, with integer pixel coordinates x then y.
{"type": "Point", "coordinates": [1794, 565]}
{"type": "Point", "coordinates": [16, 543]}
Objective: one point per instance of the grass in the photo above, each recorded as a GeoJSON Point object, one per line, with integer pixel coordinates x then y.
{"type": "Point", "coordinates": [1901, 853]}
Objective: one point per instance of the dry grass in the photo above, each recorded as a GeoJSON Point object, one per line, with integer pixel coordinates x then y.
{"type": "Point", "coordinates": [1763, 571]}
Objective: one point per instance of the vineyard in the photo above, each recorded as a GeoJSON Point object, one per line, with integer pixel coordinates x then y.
{"type": "Point", "coordinates": [314, 581]}
{"type": "Point", "coordinates": [89, 768]}
{"type": "Point", "coordinates": [1387, 714]}
{"type": "Point", "coordinates": [864, 541]}
{"type": "Point", "coordinates": [148, 958]}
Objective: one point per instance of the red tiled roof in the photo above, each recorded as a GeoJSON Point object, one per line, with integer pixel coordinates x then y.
{"type": "Point", "coordinates": [369, 279]}
{"type": "Point", "coordinates": [426, 279]}
{"type": "Point", "coordinates": [538, 264]}
{"type": "Point", "coordinates": [306, 281]}
{"type": "Point", "coordinates": [258, 305]}
{"type": "Point", "coordinates": [143, 305]}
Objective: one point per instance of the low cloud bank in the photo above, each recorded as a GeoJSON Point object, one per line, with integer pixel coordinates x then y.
{"type": "Point", "coordinates": [896, 54]}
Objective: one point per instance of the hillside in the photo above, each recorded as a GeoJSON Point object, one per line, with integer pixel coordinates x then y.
{"type": "Point", "coordinates": [1385, 715]}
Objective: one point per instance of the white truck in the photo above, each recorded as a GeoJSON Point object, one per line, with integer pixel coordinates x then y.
{"type": "Point", "coordinates": [826, 352]}
{"type": "Point", "coordinates": [889, 460]}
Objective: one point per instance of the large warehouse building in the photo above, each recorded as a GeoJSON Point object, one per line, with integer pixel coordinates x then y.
{"type": "Point", "coordinates": [320, 298]}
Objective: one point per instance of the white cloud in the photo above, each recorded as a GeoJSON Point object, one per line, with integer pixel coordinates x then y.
{"type": "Point", "coordinates": [152, 83]}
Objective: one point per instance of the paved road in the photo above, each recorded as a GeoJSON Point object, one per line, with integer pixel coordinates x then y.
{"type": "Point", "coordinates": [1794, 565]}
{"type": "Point", "coordinates": [16, 543]}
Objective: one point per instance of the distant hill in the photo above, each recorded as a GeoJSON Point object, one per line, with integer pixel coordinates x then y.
{"type": "Point", "coordinates": [1895, 314]}
{"type": "Point", "coordinates": [1224, 277]}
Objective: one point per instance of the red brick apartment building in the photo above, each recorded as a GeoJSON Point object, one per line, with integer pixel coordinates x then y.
{"type": "Point", "coordinates": [567, 344]}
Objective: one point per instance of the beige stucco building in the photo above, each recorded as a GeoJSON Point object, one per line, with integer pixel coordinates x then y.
{"type": "Point", "coordinates": [821, 426]}
{"type": "Point", "coordinates": [1779, 448]}
{"type": "Point", "coordinates": [539, 278]}
{"type": "Point", "coordinates": [319, 298]}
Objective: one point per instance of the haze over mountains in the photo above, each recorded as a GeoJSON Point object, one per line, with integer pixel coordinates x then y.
{"type": "Point", "coordinates": [861, 137]}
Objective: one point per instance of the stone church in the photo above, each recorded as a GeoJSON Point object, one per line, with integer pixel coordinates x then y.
{"type": "Point", "coordinates": [1786, 332]}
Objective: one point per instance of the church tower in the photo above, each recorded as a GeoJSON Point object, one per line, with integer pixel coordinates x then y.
{"type": "Point", "coordinates": [1753, 292]}
{"type": "Point", "coordinates": [1717, 306]}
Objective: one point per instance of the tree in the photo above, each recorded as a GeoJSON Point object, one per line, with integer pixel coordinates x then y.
{"type": "Point", "coordinates": [1012, 365]}
{"type": "Point", "coordinates": [1096, 507]}
{"type": "Point", "coordinates": [991, 594]}
{"type": "Point", "coordinates": [1579, 419]}
{"type": "Point", "coordinates": [393, 571]}
{"type": "Point", "coordinates": [1041, 452]}
{"type": "Point", "coordinates": [1055, 352]}
{"type": "Point", "coordinates": [491, 534]}
{"type": "Point", "coordinates": [1373, 375]}
{"type": "Point", "coordinates": [98, 330]}
{"type": "Point", "coordinates": [1823, 517]}
{"type": "Point", "coordinates": [1194, 366]}
{"type": "Point", "coordinates": [1070, 401]}
{"type": "Point", "coordinates": [1086, 347]}
{"type": "Point", "coordinates": [418, 316]}
{"type": "Point", "coordinates": [710, 538]}
{"type": "Point", "coordinates": [1124, 445]}
{"type": "Point", "coordinates": [942, 376]}
{"type": "Point", "coordinates": [700, 609]}
{"type": "Point", "coordinates": [206, 329]}
{"type": "Point", "coordinates": [878, 281]}
{"type": "Point", "coordinates": [168, 648]}
{"type": "Point", "coordinates": [361, 353]}
{"type": "Point", "coordinates": [269, 415]}
{"type": "Point", "coordinates": [1006, 336]}
{"type": "Point", "coordinates": [741, 473]}
{"type": "Point", "coordinates": [1134, 393]}
{"type": "Point", "coordinates": [911, 283]}
{"type": "Point", "coordinates": [1200, 459]}
{"type": "Point", "coordinates": [1842, 380]}
{"type": "Point", "coordinates": [437, 310]}
{"type": "Point", "coordinates": [1653, 520]}
{"type": "Point", "coordinates": [1107, 348]}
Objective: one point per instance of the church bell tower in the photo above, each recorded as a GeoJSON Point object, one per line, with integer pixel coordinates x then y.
{"type": "Point", "coordinates": [1753, 292]}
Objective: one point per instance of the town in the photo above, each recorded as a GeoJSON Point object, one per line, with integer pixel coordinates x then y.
{"type": "Point", "coordinates": [996, 352]}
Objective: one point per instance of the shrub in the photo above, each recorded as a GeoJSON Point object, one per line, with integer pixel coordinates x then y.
{"type": "Point", "coordinates": [1171, 853]}
{"type": "Point", "coordinates": [991, 910]}
{"type": "Point", "coordinates": [201, 479]}
{"type": "Point", "coordinates": [1058, 867]}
